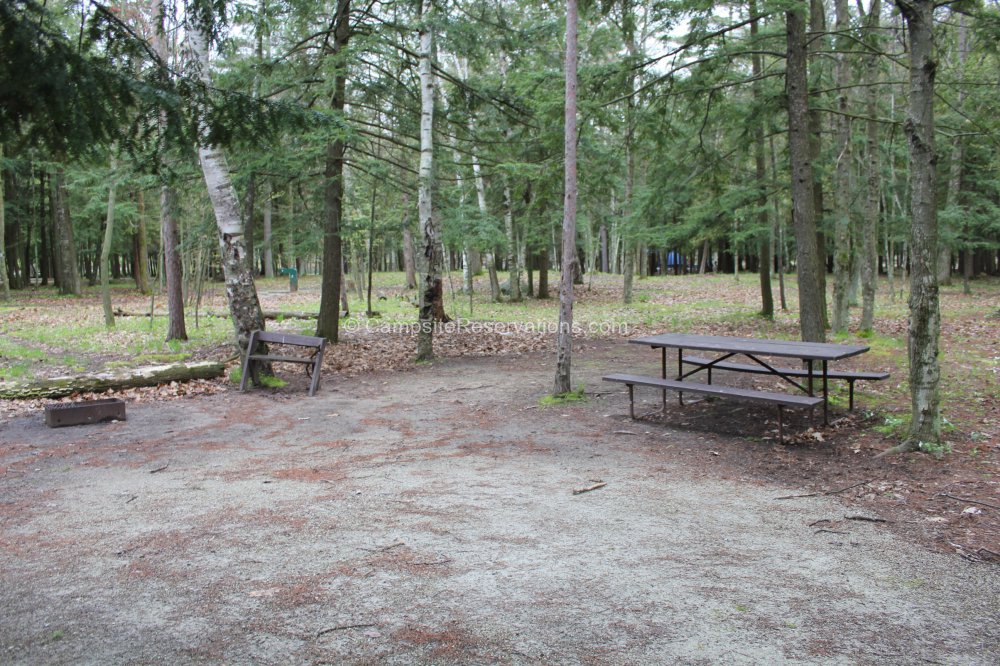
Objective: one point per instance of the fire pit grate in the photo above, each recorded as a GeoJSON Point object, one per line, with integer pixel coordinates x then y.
{"type": "Point", "coordinates": [90, 411]}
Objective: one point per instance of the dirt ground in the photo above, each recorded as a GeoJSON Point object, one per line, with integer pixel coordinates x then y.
{"type": "Point", "coordinates": [428, 516]}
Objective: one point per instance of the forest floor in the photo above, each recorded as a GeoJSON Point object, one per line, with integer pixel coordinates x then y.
{"type": "Point", "coordinates": [425, 513]}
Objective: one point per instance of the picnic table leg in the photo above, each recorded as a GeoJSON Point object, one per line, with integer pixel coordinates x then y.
{"type": "Point", "coordinates": [826, 399]}
{"type": "Point", "coordinates": [680, 374]}
{"type": "Point", "coordinates": [631, 401]}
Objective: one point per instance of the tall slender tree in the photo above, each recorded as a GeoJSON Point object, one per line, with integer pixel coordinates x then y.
{"type": "Point", "coordinates": [803, 210]}
{"type": "Point", "coordinates": [564, 342]}
{"type": "Point", "coordinates": [244, 306]}
{"type": "Point", "coordinates": [328, 323]}
{"type": "Point", "coordinates": [925, 313]}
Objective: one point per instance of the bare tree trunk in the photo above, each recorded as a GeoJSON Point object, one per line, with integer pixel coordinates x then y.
{"type": "Point", "coordinates": [4, 283]}
{"type": "Point", "coordinates": [760, 169]}
{"type": "Point", "coordinates": [69, 275]}
{"type": "Point", "coordinates": [815, 47]}
{"type": "Point", "coordinates": [172, 274]}
{"type": "Point", "coordinates": [491, 264]}
{"type": "Point", "coordinates": [409, 265]}
{"type": "Point", "coordinates": [807, 257]}
{"type": "Point", "coordinates": [267, 250]}
{"type": "Point", "coordinates": [842, 176]}
{"type": "Point", "coordinates": [564, 343]}
{"type": "Point", "coordinates": [141, 248]}
{"type": "Point", "coordinates": [869, 253]}
{"type": "Point", "coordinates": [925, 314]}
{"type": "Point", "coordinates": [513, 265]}
{"type": "Point", "coordinates": [240, 290]}
{"type": "Point", "coordinates": [431, 293]}
{"type": "Point", "coordinates": [957, 154]}
{"type": "Point", "coordinates": [109, 224]}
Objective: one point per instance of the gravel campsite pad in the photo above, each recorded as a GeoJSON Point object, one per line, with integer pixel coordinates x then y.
{"type": "Point", "coordinates": [430, 517]}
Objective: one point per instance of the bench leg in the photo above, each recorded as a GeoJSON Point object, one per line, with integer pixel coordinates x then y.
{"type": "Point", "coordinates": [850, 384]}
{"type": "Point", "coordinates": [631, 401]}
{"type": "Point", "coordinates": [317, 365]}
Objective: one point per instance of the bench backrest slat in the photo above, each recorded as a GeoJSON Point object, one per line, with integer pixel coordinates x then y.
{"type": "Point", "coordinates": [289, 339]}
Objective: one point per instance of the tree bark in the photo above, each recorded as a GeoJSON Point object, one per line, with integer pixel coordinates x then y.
{"type": "Point", "coordinates": [811, 322]}
{"type": "Point", "coordinates": [869, 232]}
{"type": "Point", "coordinates": [925, 314]}
{"type": "Point", "coordinates": [760, 169]}
{"type": "Point", "coordinates": [240, 289]}
{"type": "Point", "coordinates": [109, 224]}
{"type": "Point", "coordinates": [409, 265]}
{"type": "Point", "coordinates": [564, 343]}
{"type": "Point", "coordinates": [513, 265]}
{"type": "Point", "coordinates": [4, 283]}
{"type": "Point", "coordinates": [815, 48]}
{"type": "Point", "coordinates": [431, 293]}
{"type": "Point", "coordinates": [267, 250]}
{"type": "Point", "coordinates": [842, 176]}
{"type": "Point", "coordinates": [69, 274]}
{"type": "Point", "coordinates": [60, 387]}
{"type": "Point", "coordinates": [141, 247]}
{"type": "Point", "coordinates": [328, 324]}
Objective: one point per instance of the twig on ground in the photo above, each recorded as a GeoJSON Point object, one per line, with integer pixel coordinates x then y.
{"type": "Point", "coordinates": [820, 522]}
{"type": "Point", "coordinates": [430, 564]}
{"type": "Point", "coordinates": [624, 432]}
{"type": "Point", "coordinates": [159, 469]}
{"type": "Point", "coordinates": [867, 519]}
{"type": "Point", "coordinates": [384, 548]}
{"type": "Point", "coordinates": [344, 626]}
{"type": "Point", "coordinates": [829, 532]}
{"type": "Point", "coordinates": [580, 491]}
{"type": "Point", "coordinates": [131, 499]}
{"type": "Point", "coordinates": [461, 388]}
{"type": "Point", "coordinates": [828, 492]}
{"type": "Point", "coordinates": [970, 501]}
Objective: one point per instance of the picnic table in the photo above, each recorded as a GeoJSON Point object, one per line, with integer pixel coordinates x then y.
{"type": "Point", "coordinates": [723, 348]}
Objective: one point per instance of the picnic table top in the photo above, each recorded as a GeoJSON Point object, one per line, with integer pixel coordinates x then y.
{"type": "Point", "coordinates": [822, 351]}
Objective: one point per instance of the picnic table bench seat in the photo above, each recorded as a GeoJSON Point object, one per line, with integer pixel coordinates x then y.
{"type": "Point", "coordinates": [782, 400]}
{"type": "Point", "coordinates": [850, 375]}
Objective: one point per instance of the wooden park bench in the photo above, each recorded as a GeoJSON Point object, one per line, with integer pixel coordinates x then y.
{"type": "Point", "coordinates": [782, 400]}
{"type": "Point", "coordinates": [850, 375]}
{"type": "Point", "coordinates": [313, 362]}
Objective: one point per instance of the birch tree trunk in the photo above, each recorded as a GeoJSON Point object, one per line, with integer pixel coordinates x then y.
{"type": "Point", "coordinates": [564, 343]}
{"type": "Point", "coordinates": [409, 265]}
{"type": "Point", "coordinates": [842, 176]}
{"type": "Point", "coordinates": [869, 232]}
{"type": "Point", "coordinates": [109, 316]}
{"type": "Point", "coordinates": [244, 307]}
{"type": "Point", "coordinates": [431, 293]}
{"type": "Point", "coordinates": [328, 323]}
{"type": "Point", "coordinates": [811, 317]}
{"type": "Point", "coordinates": [925, 314]}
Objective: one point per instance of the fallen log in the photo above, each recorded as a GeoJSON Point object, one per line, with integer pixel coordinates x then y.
{"type": "Point", "coordinates": [268, 314]}
{"type": "Point", "coordinates": [152, 375]}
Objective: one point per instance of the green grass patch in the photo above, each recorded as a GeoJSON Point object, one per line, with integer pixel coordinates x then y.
{"type": "Point", "coordinates": [577, 395]}
{"type": "Point", "coordinates": [267, 381]}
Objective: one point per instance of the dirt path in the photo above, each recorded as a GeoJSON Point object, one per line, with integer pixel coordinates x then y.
{"type": "Point", "coordinates": [428, 517]}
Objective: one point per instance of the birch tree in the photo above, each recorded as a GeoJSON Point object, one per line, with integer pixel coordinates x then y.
{"type": "Point", "coordinates": [431, 292]}
{"type": "Point", "coordinates": [244, 307]}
